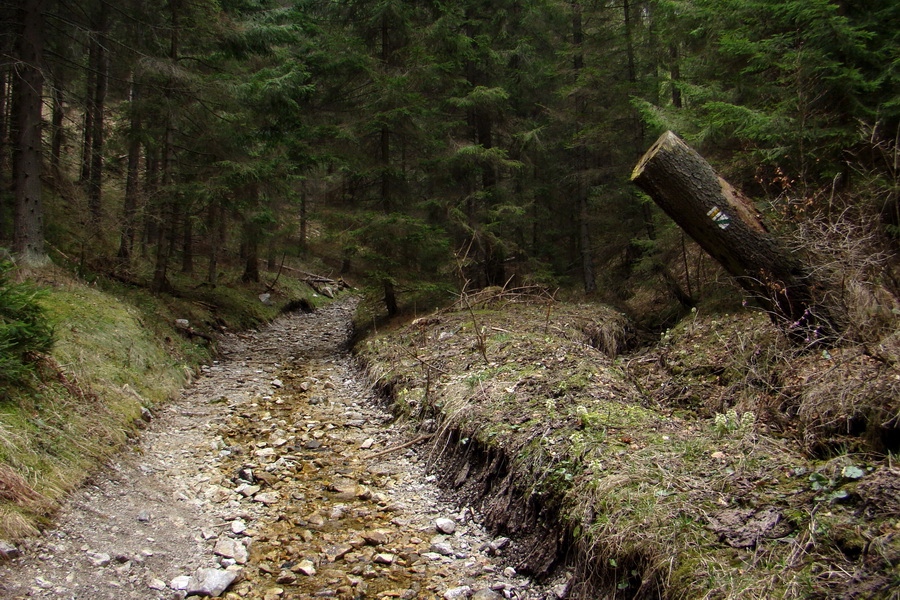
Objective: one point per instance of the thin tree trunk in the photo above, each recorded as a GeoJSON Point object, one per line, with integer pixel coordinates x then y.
{"type": "Point", "coordinates": [5, 79]}
{"type": "Point", "coordinates": [187, 245]}
{"type": "Point", "coordinates": [167, 235]}
{"type": "Point", "coordinates": [87, 144]}
{"type": "Point", "coordinates": [151, 203]}
{"type": "Point", "coordinates": [723, 222]}
{"type": "Point", "coordinates": [584, 230]}
{"type": "Point", "coordinates": [57, 130]}
{"type": "Point", "coordinates": [251, 260]}
{"type": "Point", "coordinates": [132, 176]}
{"type": "Point", "coordinates": [304, 220]}
{"type": "Point", "coordinates": [390, 298]}
{"type": "Point", "coordinates": [214, 216]}
{"type": "Point", "coordinates": [95, 179]}
{"type": "Point", "coordinates": [28, 230]}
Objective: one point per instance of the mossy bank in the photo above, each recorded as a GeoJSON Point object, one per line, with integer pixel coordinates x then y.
{"type": "Point", "coordinates": [659, 472]}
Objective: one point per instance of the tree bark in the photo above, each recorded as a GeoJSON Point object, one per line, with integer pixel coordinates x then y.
{"type": "Point", "coordinates": [28, 219]}
{"type": "Point", "coordinates": [723, 222]}
{"type": "Point", "coordinates": [129, 209]}
{"type": "Point", "coordinates": [95, 177]}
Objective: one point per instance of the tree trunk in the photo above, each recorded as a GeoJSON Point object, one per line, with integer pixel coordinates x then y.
{"type": "Point", "coordinates": [28, 234]}
{"type": "Point", "coordinates": [390, 298]}
{"type": "Point", "coordinates": [215, 226]}
{"type": "Point", "coordinates": [95, 179]}
{"type": "Point", "coordinates": [187, 245]}
{"type": "Point", "coordinates": [585, 244]}
{"type": "Point", "coordinates": [723, 222]}
{"type": "Point", "coordinates": [58, 131]}
{"type": "Point", "coordinates": [5, 78]}
{"type": "Point", "coordinates": [129, 209]}
{"type": "Point", "coordinates": [90, 87]}
{"type": "Point", "coordinates": [251, 261]}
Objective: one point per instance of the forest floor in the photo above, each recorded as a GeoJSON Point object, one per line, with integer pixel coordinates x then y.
{"type": "Point", "coordinates": [275, 475]}
{"type": "Point", "coordinates": [514, 440]}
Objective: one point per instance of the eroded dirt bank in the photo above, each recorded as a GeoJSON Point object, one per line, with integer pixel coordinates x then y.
{"type": "Point", "coordinates": [277, 475]}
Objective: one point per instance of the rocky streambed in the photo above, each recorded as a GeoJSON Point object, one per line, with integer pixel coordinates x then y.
{"type": "Point", "coordinates": [277, 474]}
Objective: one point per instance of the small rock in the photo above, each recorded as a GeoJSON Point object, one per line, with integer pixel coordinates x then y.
{"type": "Point", "coordinates": [509, 572]}
{"type": "Point", "coordinates": [266, 498]}
{"type": "Point", "coordinates": [99, 559]}
{"type": "Point", "coordinates": [499, 543]}
{"type": "Point", "coordinates": [238, 526]}
{"type": "Point", "coordinates": [442, 548]}
{"type": "Point", "coordinates": [447, 526]}
{"type": "Point", "coordinates": [375, 538]}
{"type": "Point", "coordinates": [717, 456]}
{"type": "Point", "coordinates": [231, 548]}
{"type": "Point", "coordinates": [277, 383]}
{"type": "Point", "coordinates": [337, 551]}
{"type": "Point", "coordinates": [384, 558]}
{"type": "Point", "coordinates": [180, 582]}
{"type": "Point", "coordinates": [143, 516]}
{"type": "Point", "coordinates": [368, 443]}
{"type": "Point", "coordinates": [487, 594]}
{"type": "Point", "coordinates": [246, 490]}
{"type": "Point", "coordinates": [304, 567]}
{"type": "Point", "coordinates": [156, 584]}
{"type": "Point", "coordinates": [210, 582]}
{"type": "Point", "coordinates": [286, 578]}
{"type": "Point", "coordinates": [8, 551]}
{"type": "Point", "coordinates": [273, 593]}
{"type": "Point", "coordinates": [458, 592]}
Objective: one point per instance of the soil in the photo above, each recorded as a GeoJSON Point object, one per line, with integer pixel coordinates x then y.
{"type": "Point", "coordinates": [281, 469]}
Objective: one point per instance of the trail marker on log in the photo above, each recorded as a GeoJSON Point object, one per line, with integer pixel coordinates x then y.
{"type": "Point", "coordinates": [724, 223]}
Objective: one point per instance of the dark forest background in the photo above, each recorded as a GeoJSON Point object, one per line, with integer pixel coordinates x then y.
{"type": "Point", "coordinates": [421, 147]}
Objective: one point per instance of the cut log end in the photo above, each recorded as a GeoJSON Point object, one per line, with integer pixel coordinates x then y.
{"type": "Point", "coordinates": [667, 140]}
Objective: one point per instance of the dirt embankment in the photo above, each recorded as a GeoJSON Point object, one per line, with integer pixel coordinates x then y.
{"type": "Point", "coordinates": [676, 471]}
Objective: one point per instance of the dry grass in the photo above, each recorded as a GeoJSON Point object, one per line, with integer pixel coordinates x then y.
{"type": "Point", "coordinates": [659, 492]}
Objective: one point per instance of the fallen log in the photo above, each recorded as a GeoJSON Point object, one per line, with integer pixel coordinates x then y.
{"type": "Point", "coordinates": [725, 224]}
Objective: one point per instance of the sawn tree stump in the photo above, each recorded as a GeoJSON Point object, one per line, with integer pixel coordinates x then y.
{"type": "Point", "coordinates": [724, 223]}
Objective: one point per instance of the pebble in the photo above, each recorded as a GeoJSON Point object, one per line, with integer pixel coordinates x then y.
{"type": "Point", "coordinates": [99, 559]}
{"type": "Point", "coordinates": [447, 526]}
{"type": "Point", "coordinates": [305, 567]}
{"type": "Point", "coordinates": [442, 548]}
{"type": "Point", "coordinates": [210, 582]}
{"type": "Point", "coordinates": [8, 551]}
{"type": "Point", "coordinates": [156, 584]}
{"type": "Point", "coordinates": [384, 558]}
{"type": "Point", "coordinates": [486, 594]}
{"type": "Point", "coordinates": [458, 592]}
{"type": "Point", "coordinates": [180, 582]}
{"type": "Point", "coordinates": [231, 548]}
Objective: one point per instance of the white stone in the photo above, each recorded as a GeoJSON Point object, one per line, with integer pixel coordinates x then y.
{"type": "Point", "coordinates": [210, 582]}
{"type": "Point", "coordinates": [447, 526]}
{"type": "Point", "coordinates": [458, 592]}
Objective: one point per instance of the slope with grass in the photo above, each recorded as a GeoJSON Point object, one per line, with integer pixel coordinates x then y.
{"type": "Point", "coordinates": [117, 354]}
{"type": "Point", "coordinates": [692, 468]}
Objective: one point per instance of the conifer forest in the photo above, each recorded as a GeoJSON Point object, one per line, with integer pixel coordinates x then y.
{"type": "Point", "coordinates": [426, 146]}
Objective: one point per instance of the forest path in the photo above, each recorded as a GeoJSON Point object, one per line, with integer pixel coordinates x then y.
{"type": "Point", "coordinates": [271, 471]}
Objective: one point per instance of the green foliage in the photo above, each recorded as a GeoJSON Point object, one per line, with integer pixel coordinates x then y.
{"type": "Point", "coordinates": [24, 329]}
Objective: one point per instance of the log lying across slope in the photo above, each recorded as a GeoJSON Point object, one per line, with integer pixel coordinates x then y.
{"type": "Point", "coordinates": [724, 223]}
